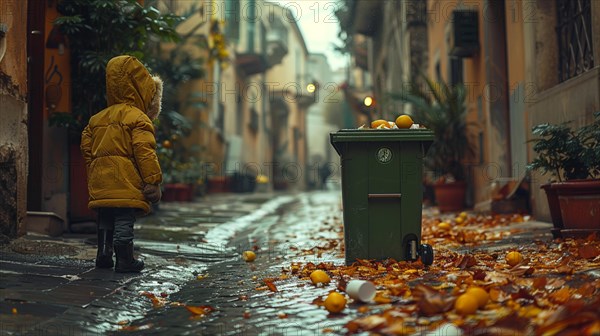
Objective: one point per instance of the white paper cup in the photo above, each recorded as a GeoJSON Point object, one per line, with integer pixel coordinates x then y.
{"type": "Point", "coordinates": [361, 290]}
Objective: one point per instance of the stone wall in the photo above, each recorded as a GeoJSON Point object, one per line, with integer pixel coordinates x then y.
{"type": "Point", "coordinates": [8, 193]}
{"type": "Point", "coordinates": [548, 100]}
{"type": "Point", "coordinates": [13, 118]}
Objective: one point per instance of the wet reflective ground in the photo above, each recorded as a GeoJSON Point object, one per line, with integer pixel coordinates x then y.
{"type": "Point", "coordinates": [50, 286]}
{"type": "Point", "coordinates": [193, 262]}
{"type": "Point", "coordinates": [280, 231]}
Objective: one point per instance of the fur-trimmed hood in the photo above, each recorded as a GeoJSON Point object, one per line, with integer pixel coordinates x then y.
{"type": "Point", "coordinates": [129, 82]}
{"type": "Point", "coordinates": [156, 102]}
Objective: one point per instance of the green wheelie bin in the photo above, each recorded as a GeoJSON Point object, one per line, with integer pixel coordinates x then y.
{"type": "Point", "coordinates": [382, 192]}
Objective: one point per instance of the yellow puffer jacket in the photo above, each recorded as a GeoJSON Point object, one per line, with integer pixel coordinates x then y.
{"type": "Point", "coordinates": [118, 144]}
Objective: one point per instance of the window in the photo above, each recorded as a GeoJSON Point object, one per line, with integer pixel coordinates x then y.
{"type": "Point", "coordinates": [232, 19]}
{"type": "Point", "coordinates": [574, 30]}
{"type": "Point", "coordinates": [456, 71]}
{"type": "Point", "coordinates": [251, 22]}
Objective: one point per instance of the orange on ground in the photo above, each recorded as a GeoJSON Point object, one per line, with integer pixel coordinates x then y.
{"type": "Point", "coordinates": [335, 302]}
{"type": "Point", "coordinates": [444, 226]}
{"type": "Point", "coordinates": [466, 304]}
{"type": "Point", "coordinates": [480, 293]}
{"type": "Point", "coordinates": [249, 256]}
{"type": "Point", "coordinates": [513, 258]}
{"type": "Point", "coordinates": [319, 276]}
{"type": "Point", "coordinates": [404, 121]}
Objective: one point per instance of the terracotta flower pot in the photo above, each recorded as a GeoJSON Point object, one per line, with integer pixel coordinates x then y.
{"type": "Point", "coordinates": [450, 196]}
{"type": "Point", "coordinates": [169, 193]}
{"type": "Point", "coordinates": [218, 184]}
{"type": "Point", "coordinates": [177, 192]}
{"type": "Point", "coordinates": [184, 192]}
{"type": "Point", "coordinates": [554, 206]}
{"type": "Point", "coordinates": [579, 202]}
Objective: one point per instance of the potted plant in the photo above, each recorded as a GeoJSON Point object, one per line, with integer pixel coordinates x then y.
{"type": "Point", "coordinates": [181, 173]}
{"type": "Point", "coordinates": [442, 108]}
{"type": "Point", "coordinates": [572, 158]}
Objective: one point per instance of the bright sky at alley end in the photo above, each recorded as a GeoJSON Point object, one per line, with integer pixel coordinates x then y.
{"type": "Point", "coordinates": [319, 27]}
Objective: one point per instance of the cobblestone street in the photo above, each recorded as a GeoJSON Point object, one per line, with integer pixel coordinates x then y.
{"type": "Point", "coordinates": [196, 281]}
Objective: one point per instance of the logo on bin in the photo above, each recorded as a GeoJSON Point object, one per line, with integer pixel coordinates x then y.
{"type": "Point", "coordinates": [384, 155]}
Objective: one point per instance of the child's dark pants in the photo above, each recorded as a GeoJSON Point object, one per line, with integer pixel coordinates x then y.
{"type": "Point", "coordinates": [115, 229]}
{"type": "Point", "coordinates": [120, 220]}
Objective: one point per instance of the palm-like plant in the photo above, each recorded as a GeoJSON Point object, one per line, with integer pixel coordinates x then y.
{"type": "Point", "coordinates": [97, 31]}
{"type": "Point", "coordinates": [442, 109]}
{"type": "Point", "coordinates": [566, 153]}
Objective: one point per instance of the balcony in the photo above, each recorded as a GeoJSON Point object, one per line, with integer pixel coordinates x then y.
{"type": "Point", "coordinates": [251, 63]}
{"type": "Point", "coordinates": [367, 16]}
{"type": "Point", "coordinates": [277, 42]}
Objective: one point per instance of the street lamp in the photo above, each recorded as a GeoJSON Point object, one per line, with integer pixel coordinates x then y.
{"type": "Point", "coordinates": [368, 101]}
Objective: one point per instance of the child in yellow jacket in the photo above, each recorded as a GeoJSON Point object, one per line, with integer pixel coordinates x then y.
{"type": "Point", "coordinates": [119, 149]}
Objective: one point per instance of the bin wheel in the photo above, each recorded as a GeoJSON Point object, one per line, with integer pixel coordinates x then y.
{"type": "Point", "coordinates": [426, 254]}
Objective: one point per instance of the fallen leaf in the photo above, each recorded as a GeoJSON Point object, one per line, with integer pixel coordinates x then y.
{"type": "Point", "coordinates": [555, 283]}
{"type": "Point", "coordinates": [560, 296]}
{"type": "Point", "coordinates": [521, 270]}
{"type": "Point", "coordinates": [199, 310]}
{"type": "Point", "coordinates": [157, 302]}
{"type": "Point", "coordinates": [586, 290]}
{"type": "Point", "coordinates": [539, 283]}
{"type": "Point", "coordinates": [431, 301]}
{"type": "Point", "coordinates": [479, 275]}
{"type": "Point", "coordinates": [366, 323]}
{"type": "Point", "coordinates": [508, 325]}
{"type": "Point", "coordinates": [588, 252]}
{"type": "Point", "coordinates": [498, 295]}
{"type": "Point", "coordinates": [270, 285]}
{"type": "Point", "coordinates": [399, 328]}
{"type": "Point", "coordinates": [466, 261]}
{"type": "Point", "coordinates": [522, 294]}
{"type": "Point", "coordinates": [381, 297]}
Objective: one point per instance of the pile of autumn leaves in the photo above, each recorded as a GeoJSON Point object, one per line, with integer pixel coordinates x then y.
{"type": "Point", "coordinates": [478, 284]}
{"type": "Point", "coordinates": [542, 287]}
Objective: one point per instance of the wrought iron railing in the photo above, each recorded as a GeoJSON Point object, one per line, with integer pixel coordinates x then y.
{"type": "Point", "coordinates": [574, 30]}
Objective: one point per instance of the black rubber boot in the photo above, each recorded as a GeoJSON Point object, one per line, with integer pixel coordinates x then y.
{"type": "Point", "coordinates": [104, 257]}
{"type": "Point", "coordinates": [125, 261]}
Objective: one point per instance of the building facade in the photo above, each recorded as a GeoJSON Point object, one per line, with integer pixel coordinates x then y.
{"type": "Point", "coordinates": [254, 122]}
{"type": "Point", "coordinates": [531, 62]}
{"type": "Point", "coordinates": [522, 62]}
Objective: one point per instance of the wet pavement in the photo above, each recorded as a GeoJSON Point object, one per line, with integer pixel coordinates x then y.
{"type": "Point", "coordinates": [193, 258]}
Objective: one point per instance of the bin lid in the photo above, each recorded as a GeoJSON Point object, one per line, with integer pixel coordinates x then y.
{"type": "Point", "coordinates": [375, 135]}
